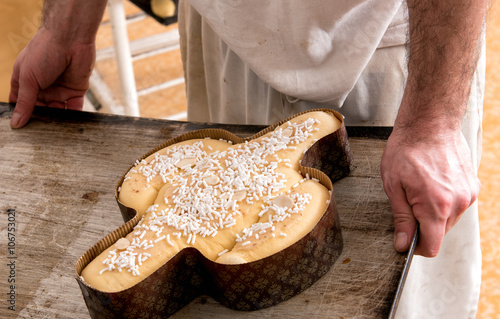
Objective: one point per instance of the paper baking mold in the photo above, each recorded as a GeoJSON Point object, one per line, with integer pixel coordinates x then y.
{"type": "Point", "coordinates": [250, 286]}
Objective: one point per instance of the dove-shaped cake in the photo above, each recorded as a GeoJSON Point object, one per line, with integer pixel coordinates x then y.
{"type": "Point", "coordinates": [234, 203]}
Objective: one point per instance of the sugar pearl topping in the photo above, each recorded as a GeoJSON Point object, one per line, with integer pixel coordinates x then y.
{"type": "Point", "coordinates": [206, 188]}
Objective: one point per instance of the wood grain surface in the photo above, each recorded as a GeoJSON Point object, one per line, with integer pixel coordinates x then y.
{"type": "Point", "coordinates": [59, 172]}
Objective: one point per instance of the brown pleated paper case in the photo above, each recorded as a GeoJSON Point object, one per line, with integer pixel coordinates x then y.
{"type": "Point", "coordinates": [249, 286]}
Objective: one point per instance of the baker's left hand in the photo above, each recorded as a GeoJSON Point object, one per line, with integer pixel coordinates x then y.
{"type": "Point", "coordinates": [429, 180]}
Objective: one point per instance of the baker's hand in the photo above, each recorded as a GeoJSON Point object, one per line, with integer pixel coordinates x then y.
{"type": "Point", "coordinates": [50, 73]}
{"type": "Point", "coordinates": [430, 180]}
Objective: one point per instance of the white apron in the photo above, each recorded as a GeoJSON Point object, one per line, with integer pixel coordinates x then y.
{"type": "Point", "coordinates": [222, 88]}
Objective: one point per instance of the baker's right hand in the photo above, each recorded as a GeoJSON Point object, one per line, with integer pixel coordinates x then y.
{"type": "Point", "coordinates": [429, 178]}
{"type": "Point", "coordinates": [50, 73]}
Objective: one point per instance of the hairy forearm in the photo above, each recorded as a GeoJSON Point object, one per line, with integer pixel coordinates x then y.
{"type": "Point", "coordinates": [73, 21]}
{"type": "Point", "coordinates": [444, 46]}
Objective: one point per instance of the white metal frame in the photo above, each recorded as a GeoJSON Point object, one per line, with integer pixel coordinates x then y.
{"type": "Point", "coordinates": [124, 57]}
{"type": "Point", "coordinates": [125, 53]}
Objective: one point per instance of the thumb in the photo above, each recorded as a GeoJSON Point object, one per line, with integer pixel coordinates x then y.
{"type": "Point", "coordinates": [26, 99]}
{"type": "Point", "coordinates": [404, 228]}
{"type": "Point", "coordinates": [404, 220]}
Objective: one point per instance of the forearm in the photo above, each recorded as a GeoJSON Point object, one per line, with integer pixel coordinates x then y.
{"type": "Point", "coordinates": [426, 166]}
{"type": "Point", "coordinates": [73, 21]}
{"type": "Point", "coordinates": [444, 46]}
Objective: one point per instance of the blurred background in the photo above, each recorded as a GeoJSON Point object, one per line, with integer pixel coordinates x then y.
{"type": "Point", "coordinates": [159, 84]}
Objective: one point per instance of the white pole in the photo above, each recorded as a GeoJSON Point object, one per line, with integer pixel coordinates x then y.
{"type": "Point", "coordinates": [123, 57]}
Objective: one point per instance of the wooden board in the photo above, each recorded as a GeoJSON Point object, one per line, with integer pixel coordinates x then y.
{"type": "Point", "coordinates": [59, 172]}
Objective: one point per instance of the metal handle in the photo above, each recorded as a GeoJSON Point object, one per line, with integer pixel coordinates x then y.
{"type": "Point", "coordinates": [404, 274]}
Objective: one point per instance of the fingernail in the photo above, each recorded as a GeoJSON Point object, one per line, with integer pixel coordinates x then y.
{"type": "Point", "coordinates": [16, 118]}
{"type": "Point", "coordinates": [401, 241]}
